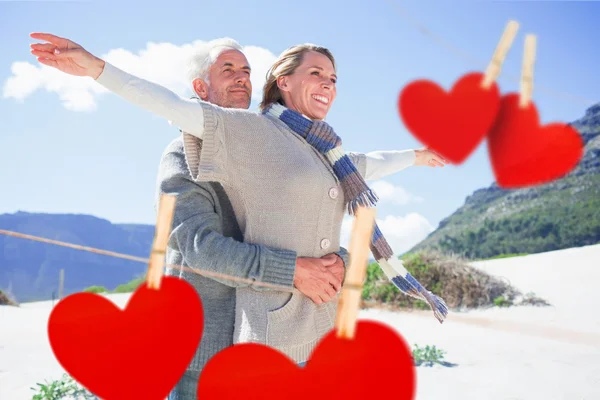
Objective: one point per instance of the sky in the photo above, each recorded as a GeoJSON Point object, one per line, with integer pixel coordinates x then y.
{"type": "Point", "coordinates": [69, 146]}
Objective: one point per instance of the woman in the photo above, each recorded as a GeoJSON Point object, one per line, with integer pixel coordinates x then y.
{"type": "Point", "coordinates": [284, 171]}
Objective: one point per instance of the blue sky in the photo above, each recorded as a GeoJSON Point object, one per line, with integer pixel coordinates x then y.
{"type": "Point", "coordinates": [103, 161]}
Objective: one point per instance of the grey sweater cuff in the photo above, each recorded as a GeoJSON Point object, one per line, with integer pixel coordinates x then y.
{"type": "Point", "coordinates": [280, 267]}
{"type": "Point", "coordinates": [343, 253]}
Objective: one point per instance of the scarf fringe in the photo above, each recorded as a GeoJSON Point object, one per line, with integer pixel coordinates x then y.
{"type": "Point", "coordinates": [367, 199]}
{"type": "Point", "coordinates": [403, 280]}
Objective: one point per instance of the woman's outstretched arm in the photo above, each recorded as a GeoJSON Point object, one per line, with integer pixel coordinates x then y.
{"type": "Point", "coordinates": [71, 58]}
{"type": "Point", "coordinates": [384, 163]}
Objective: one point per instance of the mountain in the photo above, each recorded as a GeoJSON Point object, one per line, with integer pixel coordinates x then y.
{"type": "Point", "coordinates": [29, 270]}
{"type": "Point", "coordinates": [561, 214]}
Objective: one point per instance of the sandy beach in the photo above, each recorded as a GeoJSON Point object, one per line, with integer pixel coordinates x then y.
{"type": "Point", "coordinates": [517, 353]}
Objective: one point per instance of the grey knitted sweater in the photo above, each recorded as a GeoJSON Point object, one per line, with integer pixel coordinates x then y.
{"type": "Point", "coordinates": [283, 193]}
{"type": "Point", "coordinates": [206, 236]}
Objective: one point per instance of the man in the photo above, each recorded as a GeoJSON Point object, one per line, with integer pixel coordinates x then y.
{"type": "Point", "coordinates": [205, 233]}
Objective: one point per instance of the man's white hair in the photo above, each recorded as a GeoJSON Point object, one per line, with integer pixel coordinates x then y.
{"type": "Point", "coordinates": [205, 55]}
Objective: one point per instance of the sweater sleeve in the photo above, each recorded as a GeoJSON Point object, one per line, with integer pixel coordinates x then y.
{"type": "Point", "coordinates": [197, 234]}
{"type": "Point", "coordinates": [184, 113]}
{"type": "Point", "coordinates": [383, 163]}
{"type": "Point", "coordinates": [377, 164]}
{"type": "Point", "coordinates": [343, 253]}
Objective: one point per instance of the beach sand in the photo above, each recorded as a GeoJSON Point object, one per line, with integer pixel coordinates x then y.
{"type": "Point", "coordinates": [516, 353]}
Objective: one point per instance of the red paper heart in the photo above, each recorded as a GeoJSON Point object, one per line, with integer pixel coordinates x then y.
{"type": "Point", "coordinates": [377, 364]}
{"type": "Point", "coordinates": [137, 353]}
{"type": "Point", "coordinates": [452, 124]}
{"type": "Point", "coordinates": [523, 153]}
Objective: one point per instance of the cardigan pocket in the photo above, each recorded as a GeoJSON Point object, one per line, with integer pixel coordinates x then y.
{"type": "Point", "coordinates": [294, 324]}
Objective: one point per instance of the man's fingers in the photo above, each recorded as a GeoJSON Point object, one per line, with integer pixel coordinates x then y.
{"type": "Point", "coordinates": [340, 274]}
{"type": "Point", "coordinates": [316, 299]}
{"type": "Point", "coordinates": [331, 292]}
{"type": "Point", "coordinates": [334, 281]}
{"type": "Point", "coordinates": [325, 297]}
{"type": "Point", "coordinates": [329, 259]}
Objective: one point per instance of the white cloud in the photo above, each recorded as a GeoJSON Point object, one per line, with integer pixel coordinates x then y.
{"type": "Point", "coordinates": [260, 60]}
{"type": "Point", "coordinates": [76, 93]}
{"type": "Point", "coordinates": [402, 233]}
{"type": "Point", "coordinates": [389, 193]}
{"type": "Point", "coordinates": [162, 63]}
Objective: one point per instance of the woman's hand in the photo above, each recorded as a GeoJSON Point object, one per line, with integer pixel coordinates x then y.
{"type": "Point", "coordinates": [66, 56]}
{"type": "Point", "coordinates": [427, 157]}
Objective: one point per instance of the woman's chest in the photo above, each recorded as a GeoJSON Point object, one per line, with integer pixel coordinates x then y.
{"type": "Point", "coordinates": [287, 168]}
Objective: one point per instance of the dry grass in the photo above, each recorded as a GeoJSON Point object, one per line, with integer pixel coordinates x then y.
{"type": "Point", "coordinates": [450, 277]}
{"type": "Point", "coordinates": [5, 300]}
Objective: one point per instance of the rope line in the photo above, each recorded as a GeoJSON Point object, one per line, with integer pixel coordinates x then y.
{"type": "Point", "coordinates": [563, 335]}
{"type": "Point", "coordinates": [146, 260]}
{"type": "Point", "coordinates": [466, 56]}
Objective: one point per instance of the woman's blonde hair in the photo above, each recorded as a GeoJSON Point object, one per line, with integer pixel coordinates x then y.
{"type": "Point", "coordinates": [286, 65]}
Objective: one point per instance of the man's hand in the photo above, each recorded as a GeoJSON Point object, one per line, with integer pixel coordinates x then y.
{"type": "Point", "coordinates": [318, 278]}
{"type": "Point", "coordinates": [337, 267]}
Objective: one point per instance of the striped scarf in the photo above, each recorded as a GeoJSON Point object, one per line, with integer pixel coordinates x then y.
{"type": "Point", "coordinates": [357, 194]}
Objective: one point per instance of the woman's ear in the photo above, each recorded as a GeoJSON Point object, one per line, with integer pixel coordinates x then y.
{"type": "Point", "coordinates": [201, 88]}
{"type": "Point", "coordinates": [282, 83]}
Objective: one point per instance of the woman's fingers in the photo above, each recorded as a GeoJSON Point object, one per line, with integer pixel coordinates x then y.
{"type": "Point", "coordinates": [44, 54]}
{"type": "Point", "coordinates": [439, 157]}
{"type": "Point", "coordinates": [50, 63]}
{"type": "Point", "coordinates": [57, 40]}
{"type": "Point", "coordinates": [435, 155]}
{"type": "Point", "coordinates": [43, 47]}
{"type": "Point", "coordinates": [437, 162]}
{"type": "Point", "coordinates": [66, 53]}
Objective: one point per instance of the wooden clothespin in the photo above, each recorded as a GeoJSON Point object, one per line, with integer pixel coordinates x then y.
{"type": "Point", "coordinates": [360, 241]}
{"type": "Point", "coordinates": [526, 92]}
{"type": "Point", "coordinates": [495, 66]}
{"type": "Point", "coordinates": [166, 207]}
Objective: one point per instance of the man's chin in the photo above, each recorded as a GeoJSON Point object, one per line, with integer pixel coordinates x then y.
{"type": "Point", "coordinates": [238, 103]}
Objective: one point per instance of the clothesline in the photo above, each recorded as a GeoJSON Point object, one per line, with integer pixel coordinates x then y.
{"type": "Point", "coordinates": [468, 57]}
{"type": "Point", "coordinates": [146, 260]}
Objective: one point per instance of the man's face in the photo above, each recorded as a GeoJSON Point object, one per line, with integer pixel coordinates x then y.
{"type": "Point", "coordinates": [229, 81]}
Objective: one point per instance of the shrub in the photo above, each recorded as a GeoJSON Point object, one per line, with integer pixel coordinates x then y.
{"type": "Point", "coordinates": [427, 355]}
{"type": "Point", "coordinates": [5, 300]}
{"type": "Point", "coordinates": [450, 277]}
{"type": "Point", "coordinates": [64, 388]}
{"type": "Point", "coordinates": [129, 287]}
{"type": "Point", "coordinates": [95, 289]}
